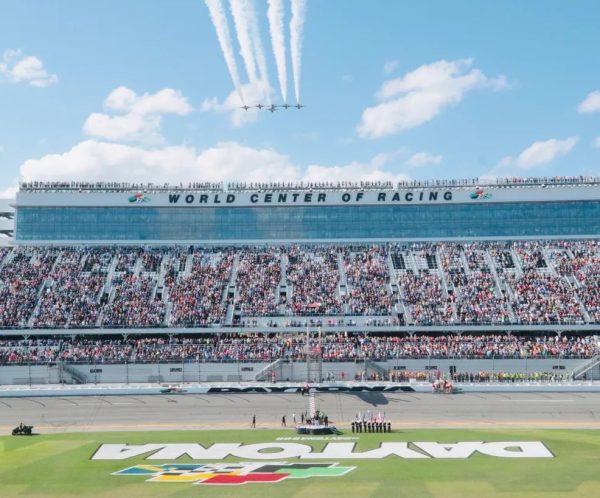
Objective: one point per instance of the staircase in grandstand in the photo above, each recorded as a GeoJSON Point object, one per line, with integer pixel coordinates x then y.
{"type": "Point", "coordinates": [267, 372]}
{"type": "Point", "coordinates": [314, 358]}
{"type": "Point", "coordinates": [314, 367]}
{"type": "Point", "coordinates": [581, 372]}
{"type": "Point", "coordinates": [370, 365]}
{"type": "Point", "coordinates": [76, 376]}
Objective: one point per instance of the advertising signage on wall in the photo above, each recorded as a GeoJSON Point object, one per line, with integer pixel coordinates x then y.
{"type": "Point", "coordinates": [305, 198]}
{"type": "Point", "coordinates": [287, 198]}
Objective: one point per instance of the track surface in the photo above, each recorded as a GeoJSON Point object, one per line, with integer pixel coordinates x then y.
{"type": "Point", "coordinates": [189, 411]}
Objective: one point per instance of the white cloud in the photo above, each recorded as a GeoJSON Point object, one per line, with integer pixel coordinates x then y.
{"type": "Point", "coordinates": [539, 153]}
{"type": "Point", "coordinates": [597, 142]}
{"type": "Point", "coordinates": [16, 68]}
{"type": "Point", "coordinates": [9, 192]}
{"type": "Point", "coordinates": [142, 116]}
{"type": "Point", "coordinates": [128, 128]}
{"type": "Point", "coordinates": [420, 95]}
{"type": "Point", "coordinates": [165, 101]}
{"type": "Point", "coordinates": [1, 149]}
{"type": "Point", "coordinates": [92, 160]}
{"type": "Point", "coordinates": [423, 159]}
{"type": "Point", "coordinates": [390, 66]}
{"type": "Point", "coordinates": [590, 104]}
{"type": "Point", "coordinates": [356, 171]}
{"type": "Point", "coordinates": [351, 172]}
{"type": "Point", "coordinates": [253, 94]}
{"type": "Point", "coordinates": [97, 161]}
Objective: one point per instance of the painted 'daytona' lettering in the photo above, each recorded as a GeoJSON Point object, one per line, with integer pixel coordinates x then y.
{"type": "Point", "coordinates": [281, 450]}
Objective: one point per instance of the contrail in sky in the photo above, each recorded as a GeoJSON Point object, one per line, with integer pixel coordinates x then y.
{"type": "Point", "coordinates": [259, 52]}
{"type": "Point", "coordinates": [296, 35]}
{"type": "Point", "coordinates": [275, 15]}
{"type": "Point", "coordinates": [217, 15]}
{"type": "Point", "coordinates": [240, 19]}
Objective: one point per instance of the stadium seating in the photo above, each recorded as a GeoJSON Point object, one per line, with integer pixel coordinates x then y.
{"type": "Point", "coordinates": [390, 285]}
{"type": "Point", "coordinates": [267, 348]}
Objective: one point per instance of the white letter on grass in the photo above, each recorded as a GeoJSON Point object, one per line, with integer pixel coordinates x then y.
{"type": "Point", "coordinates": [516, 449]}
{"type": "Point", "coordinates": [287, 450]}
{"type": "Point", "coordinates": [346, 450]}
{"type": "Point", "coordinates": [123, 451]}
{"type": "Point", "coordinates": [195, 451]}
{"type": "Point", "coordinates": [458, 450]}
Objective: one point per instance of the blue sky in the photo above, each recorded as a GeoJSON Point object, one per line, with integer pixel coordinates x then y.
{"type": "Point", "coordinates": [139, 90]}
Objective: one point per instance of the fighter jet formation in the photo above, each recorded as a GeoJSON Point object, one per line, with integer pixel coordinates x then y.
{"type": "Point", "coordinates": [247, 28]}
{"type": "Point", "coordinates": [272, 107]}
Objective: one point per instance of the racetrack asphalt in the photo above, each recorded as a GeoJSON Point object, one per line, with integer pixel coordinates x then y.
{"type": "Point", "coordinates": [235, 411]}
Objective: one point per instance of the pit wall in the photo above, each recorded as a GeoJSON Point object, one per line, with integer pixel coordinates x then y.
{"type": "Point", "coordinates": [246, 372]}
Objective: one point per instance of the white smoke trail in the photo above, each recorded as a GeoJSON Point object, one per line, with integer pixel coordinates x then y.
{"type": "Point", "coordinates": [217, 15]}
{"type": "Point", "coordinates": [240, 19]}
{"type": "Point", "coordinates": [275, 15]}
{"type": "Point", "coordinates": [259, 52]}
{"type": "Point", "coordinates": [296, 32]}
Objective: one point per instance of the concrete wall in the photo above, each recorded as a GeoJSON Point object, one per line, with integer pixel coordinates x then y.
{"type": "Point", "coordinates": [235, 372]}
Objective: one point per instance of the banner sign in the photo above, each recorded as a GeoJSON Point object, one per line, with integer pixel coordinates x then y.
{"type": "Point", "coordinates": [306, 198]}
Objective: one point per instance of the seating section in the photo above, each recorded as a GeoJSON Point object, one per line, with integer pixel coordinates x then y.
{"type": "Point", "coordinates": [313, 276]}
{"type": "Point", "coordinates": [267, 348]}
{"type": "Point", "coordinates": [517, 283]}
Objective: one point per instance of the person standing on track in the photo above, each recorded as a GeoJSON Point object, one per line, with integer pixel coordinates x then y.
{"type": "Point", "coordinates": [253, 422]}
{"type": "Point", "coordinates": [283, 424]}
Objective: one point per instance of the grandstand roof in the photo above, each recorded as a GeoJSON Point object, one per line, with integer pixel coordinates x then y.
{"type": "Point", "coordinates": [340, 185]}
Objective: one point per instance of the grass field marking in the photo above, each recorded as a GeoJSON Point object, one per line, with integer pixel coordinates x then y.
{"type": "Point", "coordinates": [62, 468]}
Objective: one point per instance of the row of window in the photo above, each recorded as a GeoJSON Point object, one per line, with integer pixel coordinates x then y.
{"type": "Point", "coordinates": [323, 222]}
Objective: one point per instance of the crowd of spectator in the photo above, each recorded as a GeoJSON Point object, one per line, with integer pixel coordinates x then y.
{"type": "Point", "coordinates": [541, 298]}
{"type": "Point", "coordinates": [257, 283]}
{"type": "Point", "coordinates": [449, 284]}
{"type": "Point", "coordinates": [21, 277]}
{"type": "Point", "coordinates": [266, 348]}
{"type": "Point", "coordinates": [368, 276]}
{"type": "Point", "coordinates": [435, 376]}
{"type": "Point", "coordinates": [66, 294]}
{"type": "Point", "coordinates": [133, 303]}
{"type": "Point", "coordinates": [425, 299]}
{"type": "Point", "coordinates": [198, 297]}
{"type": "Point", "coordinates": [314, 277]}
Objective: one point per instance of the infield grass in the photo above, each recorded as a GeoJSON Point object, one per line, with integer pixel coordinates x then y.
{"type": "Point", "coordinates": [60, 465]}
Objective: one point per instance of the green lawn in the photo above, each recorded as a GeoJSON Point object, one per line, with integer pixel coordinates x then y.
{"type": "Point", "coordinates": [60, 465]}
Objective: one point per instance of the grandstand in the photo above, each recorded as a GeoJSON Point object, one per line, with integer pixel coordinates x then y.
{"type": "Point", "coordinates": [368, 274]}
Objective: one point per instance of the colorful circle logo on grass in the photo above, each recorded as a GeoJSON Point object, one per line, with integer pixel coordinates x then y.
{"type": "Point", "coordinates": [480, 194]}
{"type": "Point", "coordinates": [234, 473]}
{"type": "Point", "coordinates": [138, 198]}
